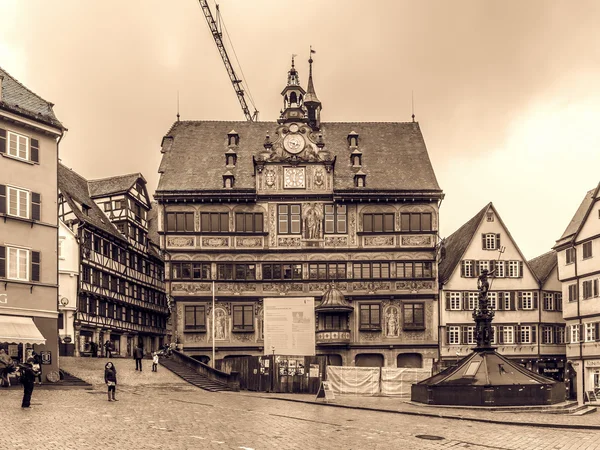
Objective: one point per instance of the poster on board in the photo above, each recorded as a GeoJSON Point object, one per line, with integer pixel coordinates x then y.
{"type": "Point", "coordinates": [289, 326]}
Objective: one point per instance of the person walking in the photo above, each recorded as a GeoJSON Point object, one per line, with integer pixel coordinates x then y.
{"type": "Point", "coordinates": [28, 381]}
{"type": "Point", "coordinates": [154, 362]}
{"type": "Point", "coordinates": [108, 349]}
{"type": "Point", "coordinates": [138, 354]}
{"type": "Point", "coordinates": [6, 367]}
{"type": "Point", "coordinates": [110, 378]}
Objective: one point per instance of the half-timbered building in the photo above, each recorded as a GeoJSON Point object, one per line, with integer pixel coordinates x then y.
{"type": "Point", "coordinates": [121, 295]}
{"type": "Point", "coordinates": [283, 209]}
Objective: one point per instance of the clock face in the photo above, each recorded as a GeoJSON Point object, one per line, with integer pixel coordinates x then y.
{"type": "Point", "coordinates": [294, 177]}
{"type": "Point", "coordinates": [293, 143]}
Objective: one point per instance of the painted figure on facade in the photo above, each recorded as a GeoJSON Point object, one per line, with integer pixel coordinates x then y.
{"type": "Point", "coordinates": [313, 217]}
{"type": "Point", "coordinates": [219, 324]}
{"type": "Point", "coordinates": [392, 322]}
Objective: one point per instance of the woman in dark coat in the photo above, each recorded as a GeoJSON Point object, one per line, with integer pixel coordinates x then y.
{"type": "Point", "coordinates": [27, 379]}
{"type": "Point", "coordinates": [110, 378]}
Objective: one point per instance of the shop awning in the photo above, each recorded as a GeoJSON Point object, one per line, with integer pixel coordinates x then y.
{"type": "Point", "coordinates": [19, 330]}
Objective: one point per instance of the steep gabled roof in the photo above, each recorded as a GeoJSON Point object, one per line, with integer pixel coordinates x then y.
{"type": "Point", "coordinates": [75, 190]}
{"type": "Point", "coordinates": [579, 218]}
{"type": "Point", "coordinates": [542, 265]}
{"type": "Point", "coordinates": [394, 158]}
{"type": "Point", "coordinates": [18, 99]}
{"type": "Point", "coordinates": [103, 187]}
{"type": "Point", "coordinates": [458, 242]}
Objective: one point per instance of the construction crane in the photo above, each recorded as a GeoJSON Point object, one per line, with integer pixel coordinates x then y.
{"type": "Point", "coordinates": [217, 34]}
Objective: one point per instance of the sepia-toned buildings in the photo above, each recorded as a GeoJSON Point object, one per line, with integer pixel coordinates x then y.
{"type": "Point", "coordinates": [120, 295]}
{"type": "Point", "coordinates": [29, 137]}
{"type": "Point", "coordinates": [526, 297]}
{"type": "Point", "coordinates": [284, 209]}
{"type": "Point", "coordinates": [578, 252]}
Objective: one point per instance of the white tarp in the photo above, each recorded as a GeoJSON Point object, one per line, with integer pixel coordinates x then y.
{"type": "Point", "coordinates": [397, 381]}
{"type": "Point", "coordinates": [353, 380]}
{"type": "Point", "coordinates": [289, 326]}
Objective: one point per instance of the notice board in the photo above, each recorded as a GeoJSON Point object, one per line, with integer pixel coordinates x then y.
{"type": "Point", "coordinates": [289, 326]}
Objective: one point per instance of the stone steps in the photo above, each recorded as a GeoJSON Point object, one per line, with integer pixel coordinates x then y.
{"type": "Point", "coordinates": [194, 377]}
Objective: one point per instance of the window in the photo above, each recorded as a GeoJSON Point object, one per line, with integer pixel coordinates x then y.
{"type": "Point", "coordinates": [574, 334]}
{"type": "Point", "coordinates": [467, 269]}
{"type": "Point", "coordinates": [195, 318]}
{"type": "Point", "coordinates": [243, 318]}
{"type": "Point", "coordinates": [454, 299]}
{"type": "Point", "coordinates": [326, 271]}
{"type": "Point", "coordinates": [548, 301]}
{"type": "Point", "coordinates": [414, 316]}
{"type": "Point", "coordinates": [572, 292]}
{"type": "Point", "coordinates": [228, 271]}
{"type": "Point", "coordinates": [507, 302]}
{"type": "Point", "coordinates": [334, 322]}
{"type": "Point", "coordinates": [494, 340]}
{"type": "Point", "coordinates": [107, 206]}
{"type": "Point", "coordinates": [378, 223]}
{"type": "Point", "coordinates": [499, 269]}
{"type": "Point", "coordinates": [282, 271]}
{"type": "Point", "coordinates": [493, 300]}
{"type": "Point", "coordinates": [590, 332]}
{"type": "Point", "coordinates": [547, 335]}
{"type": "Point", "coordinates": [86, 274]}
{"type": "Point", "coordinates": [469, 335]}
{"type": "Point", "coordinates": [188, 271]}
{"type": "Point", "coordinates": [483, 265]}
{"type": "Point", "coordinates": [180, 221]}
{"type": "Point", "coordinates": [249, 222]}
{"type": "Point", "coordinates": [370, 317]}
{"type": "Point", "coordinates": [473, 300]}
{"type": "Point", "coordinates": [17, 263]}
{"type": "Point", "coordinates": [415, 222]}
{"type": "Point", "coordinates": [214, 222]}
{"type": "Point", "coordinates": [508, 334]}
{"type": "Point", "coordinates": [414, 270]}
{"type": "Point", "coordinates": [587, 250]}
{"type": "Point", "coordinates": [590, 288]}
{"type": "Point", "coordinates": [560, 335]}
{"type": "Point", "coordinates": [371, 270]}
{"type": "Point", "coordinates": [289, 219]}
{"type": "Point", "coordinates": [526, 300]}
{"type": "Point", "coordinates": [515, 269]}
{"type": "Point", "coordinates": [526, 334]}
{"type": "Point", "coordinates": [18, 145]}
{"type": "Point", "coordinates": [453, 335]}
{"type": "Point", "coordinates": [570, 255]}
{"type": "Point", "coordinates": [335, 219]}
{"type": "Point", "coordinates": [18, 202]}
{"type": "Point", "coordinates": [491, 241]}
{"type": "Point", "coordinates": [558, 301]}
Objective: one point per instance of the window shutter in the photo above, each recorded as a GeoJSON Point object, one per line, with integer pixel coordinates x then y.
{"type": "Point", "coordinates": [462, 268]}
{"type": "Point", "coordinates": [483, 241]}
{"type": "Point", "coordinates": [447, 301]}
{"type": "Point", "coordinates": [517, 334]}
{"type": "Point", "coordinates": [2, 141]}
{"type": "Point", "coordinates": [596, 330]}
{"type": "Point", "coordinates": [447, 335]}
{"type": "Point", "coordinates": [35, 266]}
{"type": "Point", "coordinates": [595, 287]}
{"type": "Point", "coordinates": [535, 299]}
{"type": "Point", "coordinates": [2, 261]}
{"type": "Point", "coordinates": [476, 268]}
{"type": "Point", "coordinates": [520, 299]}
{"type": "Point", "coordinates": [520, 269]}
{"type": "Point", "coordinates": [533, 334]}
{"type": "Point", "coordinates": [567, 334]}
{"type": "Point", "coordinates": [36, 206]}
{"type": "Point", "coordinates": [512, 301]}
{"type": "Point", "coordinates": [500, 301]}
{"type": "Point", "coordinates": [555, 335]}
{"type": "Point", "coordinates": [464, 336]}
{"type": "Point", "coordinates": [492, 267]}
{"type": "Point", "coordinates": [498, 241]}
{"type": "Point", "coordinates": [35, 150]}
{"type": "Point", "coordinates": [3, 203]}
{"type": "Point", "coordinates": [500, 338]}
{"type": "Point", "coordinates": [465, 301]}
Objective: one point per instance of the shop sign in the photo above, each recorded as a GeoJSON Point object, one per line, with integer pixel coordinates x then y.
{"type": "Point", "coordinates": [594, 363]}
{"type": "Point", "coordinates": [550, 370]}
{"type": "Point", "coordinates": [67, 340]}
{"type": "Point", "coordinates": [46, 358]}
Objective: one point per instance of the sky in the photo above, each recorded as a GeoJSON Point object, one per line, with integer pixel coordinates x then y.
{"type": "Point", "coordinates": [507, 94]}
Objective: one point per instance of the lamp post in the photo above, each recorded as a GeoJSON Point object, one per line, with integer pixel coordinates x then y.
{"type": "Point", "coordinates": [273, 369]}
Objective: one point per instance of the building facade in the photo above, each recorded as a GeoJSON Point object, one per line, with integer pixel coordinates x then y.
{"type": "Point", "coordinates": [528, 325]}
{"type": "Point", "coordinates": [29, 138]}
{"type": "Point", "coordinates": [121, 295]}
{"type": "Point", "coordinates": [283, 209]}
{"type": "Point", "coordinates": [578, 252]}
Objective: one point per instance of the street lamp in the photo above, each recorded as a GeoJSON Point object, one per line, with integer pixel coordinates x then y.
{"type": "Point", "coordinates": [273, 369]}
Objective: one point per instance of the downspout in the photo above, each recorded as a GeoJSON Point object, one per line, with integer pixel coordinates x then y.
{"type": "Point", "coordinates": [539, 339]}
{"type": "Point", "coordinates": [580, 325]}
{"type": "Point", "coordinates": [57, 237]}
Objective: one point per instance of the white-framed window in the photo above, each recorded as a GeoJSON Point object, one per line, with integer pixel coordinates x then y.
{"type": "Point", "coordinates": [526, 334]}
{"type": "Point", "coordinates": [468, 265]}
{"type": "Point", "coordinates": [454, 335]}
{"type": "Point", "coordinates": [473, 299]}
{"type": "Point", "coordinates": [483, 265]}
{"type": "Point", "coordinates": [493, 300]}
{"type": "Point", "coordinates": [18, 202]}
{"type": "Point", "coordinates": [499, 269]}
{"type": "Point", "coordinates": [560, 335]}
{"type": "Point", "coordinates": [527, 300]}
{"type": "Point", "coordinates": [590, 288]}
{"type": "Point", "coordinates": [455, 299]}
{"type": "Point", "coordinates": [513, 269]}
{"type": "Point", "coordinates": [18, 145]}
{"type": "Point", "coordinates": [508, 334]}
{"type": "Point", "coordinates": [590, 332]}
{"type": "Point", "coordinates": [17, 263]}
{"type": "Point", "coordinates": [469, 335]}
{"type": "Point", "coordinates": [574, 334]}
{"type": "Point", "coordinates": [494, 335]}
{"type": "Point", "coordinates": [507, 301]}
{"type": "Point", "coordinates": [547, 334]}
{"type": "Point", "coordinates": [549, 301]}
{"type": "Point", "coordinates": [490, 241]}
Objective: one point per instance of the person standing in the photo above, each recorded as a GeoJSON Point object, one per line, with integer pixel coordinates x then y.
{"type": "Point", "coordinates": [27, 380]}
{"type": "Point", "coordinates": [138, 354]}
{"type": "Point", "coordinates": [154, 362]}
{"type": "Point", "coordinates": [6, 367]}
{"type": "Point", "coordinates": [110, 378]}
{"type": "Point", "coordinates": [37, 366]}
{"type": "Point", "coordinates": [108, 349]}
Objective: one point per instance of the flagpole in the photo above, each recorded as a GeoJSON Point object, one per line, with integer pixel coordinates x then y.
{"type": "Point", "coordinates": [213, 325]}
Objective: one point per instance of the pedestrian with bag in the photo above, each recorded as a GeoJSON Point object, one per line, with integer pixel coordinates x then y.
{"type": "Point", "coordinates": [138, 354]}
{"type": "Point", "coordinates": [27, 379]}
{"type": "Point", "coordinates": [37, 367]}
{"type": "Point", "coordinates": [110, 378]}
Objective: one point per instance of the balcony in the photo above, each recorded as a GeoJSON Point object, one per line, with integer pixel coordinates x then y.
{"type": "Point", "coordinates": [333, 337]}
